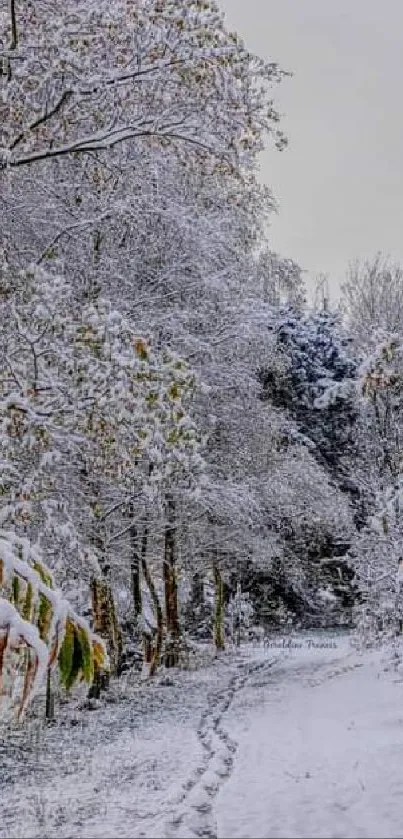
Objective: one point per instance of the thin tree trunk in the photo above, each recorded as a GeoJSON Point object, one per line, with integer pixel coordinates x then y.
{"type": "Point", "coordinates": [156, 652]}
{"type": "Point", "coordinates": [219, 609]}
{"type": "Point", "coordinates": [105, 625]}
{"type": "Point", "coordinates": [135, 573]}
{"type": "Point", "coordinates": [103, 604]}
{"type": "Point", "coordinates": [50, 699]}
{"type": "Point", "coordinates": [141, 558]}
{"type": "Point", "coordinates": [105, 621]}
{"type": "Point", "coordinates": [195, 609]}
{"type": "Point", "coordinates": [197, 593]}
{"type": "Point", "coordinates": [171, 589]}
{"type": "Point", "coordinates": [14, 30]}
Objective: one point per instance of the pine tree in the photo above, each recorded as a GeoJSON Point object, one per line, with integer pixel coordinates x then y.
{"type": "Point", "coordinates": [313, 380]}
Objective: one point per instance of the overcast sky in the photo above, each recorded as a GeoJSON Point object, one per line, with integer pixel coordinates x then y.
{"type": "Point", "coordinates": [340, 182]}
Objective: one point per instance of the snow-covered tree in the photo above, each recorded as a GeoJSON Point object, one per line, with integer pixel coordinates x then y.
{"type": "Point", "coordinates": [313, 380]}
{"type": "Point", "coordinates": [93, 419]}
{"type": "Point", "coordinates": [376, 551]}
{"type": "Point", "coordinates": [372, 299]}
{"type": "Point", "coordinates": [129, 148]}
{"type": "Point", "coordinates": [80, 77]}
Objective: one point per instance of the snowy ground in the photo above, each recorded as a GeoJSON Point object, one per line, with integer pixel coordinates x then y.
{"type": "Point", "coordinates": [300, 742]}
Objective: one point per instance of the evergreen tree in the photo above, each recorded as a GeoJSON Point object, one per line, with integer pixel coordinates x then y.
{"type": "Point", "coordinates": [312, 378]}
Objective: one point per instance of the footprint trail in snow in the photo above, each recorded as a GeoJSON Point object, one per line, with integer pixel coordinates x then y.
{"type": "Point", "coordinates": [194, 815]}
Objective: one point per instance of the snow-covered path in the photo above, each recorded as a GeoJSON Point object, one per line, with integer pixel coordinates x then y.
{"type": "Point", "coordinates": [304, 742]}
{"type": "Point", "coordinates": [320, 751]}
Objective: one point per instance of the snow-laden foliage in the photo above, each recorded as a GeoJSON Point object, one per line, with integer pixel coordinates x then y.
{"type": "Point", "coordinates": [380, 383]}
{"type": "Point", "coordinates": [16, 634]}
{"type": "Point", "coordinates": [372, 299]}
{"type": "Point", "coordinates": [83, 77]}
{"type": "Point", "coordinates": [86, 405]}
{"type": "Point", "coordinates": [36, 616]}
{"type": "Point", "coordinates": [377, 550]}
{"type": "Point", "coordinates": [314, 381]}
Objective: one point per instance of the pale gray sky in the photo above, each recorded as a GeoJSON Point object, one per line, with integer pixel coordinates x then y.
{"type": "Point", "coordinates": [340, 182]}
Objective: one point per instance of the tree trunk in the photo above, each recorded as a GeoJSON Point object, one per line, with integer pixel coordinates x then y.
{"type": "Point", "coordinates": [105, 625]}
{"type": "Point", "coordinates": [135, 573]}
{"type": "Point", "coordinates": [171, 589]}
{"type": "Point", "coordinates": [104, 616]}
{"type": "Point", "coordinates": [152, 654]}
{"type": "Point", "coordinates": [196, 611]}
{"type": "Point", "coordinates": [197, 593]}
{"type": "Point", "coordinates": [219, 610]}
{"type": "Point", "coordinates": [50, 698]}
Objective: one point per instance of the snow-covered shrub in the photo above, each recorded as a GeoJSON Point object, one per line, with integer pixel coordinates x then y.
{"type": "Point", "coordinates": [35, 616]}
{"type": "Point", "coordinates": [240, 615]}
{"type": "Point", "coordinates": [377, 549]}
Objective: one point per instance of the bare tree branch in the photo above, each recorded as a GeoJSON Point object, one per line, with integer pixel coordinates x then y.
{"type": "Point", "coordinates": [14, 30]}
{"type": "Point", "coordinates": [43, 118]}
{"type": "Point", "coordinates": [105, 141]}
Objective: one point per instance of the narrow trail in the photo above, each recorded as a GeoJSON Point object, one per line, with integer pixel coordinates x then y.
{"type": "Point", "coordinates": [194, 812]}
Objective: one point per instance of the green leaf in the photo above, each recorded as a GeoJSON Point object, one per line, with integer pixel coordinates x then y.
{"type": "Point", "coordinates": [87, 654]}
{"type": "Point", "coordinates": [76, 663]}
{"type": "Point", "coordinates": [28, 602]}
{"type": "Point", "coordinates": [16, 590]}
{"type": "Point", "coordinates": [44, 616]}
{"type": "Point", "coordinates": [65, 659]}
